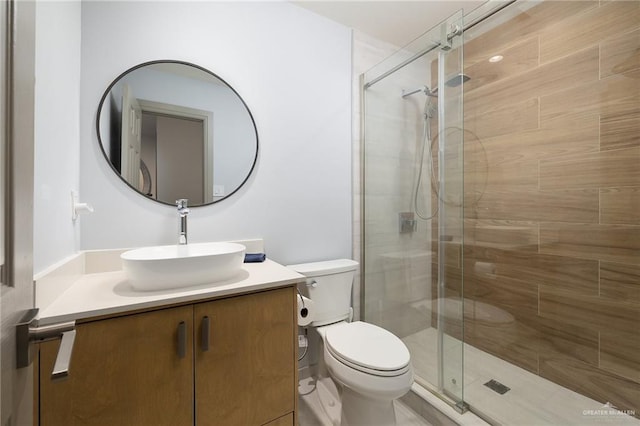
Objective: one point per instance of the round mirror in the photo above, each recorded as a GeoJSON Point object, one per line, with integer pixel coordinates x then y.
{"type": "Point", "coordinates": [173, 130]}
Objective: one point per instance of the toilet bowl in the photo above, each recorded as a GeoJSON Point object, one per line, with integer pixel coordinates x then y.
{"type": "Point", "coordinates": [370, 364]}
{"type": "Point", "coordinates": [367, 358]}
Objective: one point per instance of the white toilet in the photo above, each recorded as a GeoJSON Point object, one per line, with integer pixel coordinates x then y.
{"type": "Point", "coordinates": [371, 365]}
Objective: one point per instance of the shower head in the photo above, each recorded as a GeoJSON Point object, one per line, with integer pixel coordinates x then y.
{"type": "Point", "coordinates": [454, 81]}
{"type": "Point", "coordinates": [457, 80]}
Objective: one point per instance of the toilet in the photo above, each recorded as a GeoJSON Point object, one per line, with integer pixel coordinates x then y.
{"type": "Point", "coordinates": [370, 365]}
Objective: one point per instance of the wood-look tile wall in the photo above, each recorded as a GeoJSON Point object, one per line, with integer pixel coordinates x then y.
{"type": "Point", "coordinates": [558, 219]}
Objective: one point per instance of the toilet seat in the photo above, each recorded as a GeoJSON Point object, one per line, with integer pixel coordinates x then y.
{"type": "Point", "coordinates": [368, 349]}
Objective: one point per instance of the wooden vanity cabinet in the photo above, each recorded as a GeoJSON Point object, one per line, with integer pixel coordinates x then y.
{"type": "Point", "coordinates": [124, 371]}
{"type": "Point", "coordinates": [130, 370]}
{"type": "Point", "coordinates": [247, 376]}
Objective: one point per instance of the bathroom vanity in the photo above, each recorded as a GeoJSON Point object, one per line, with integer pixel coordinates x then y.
{"type": "Point", "coordinates": [224, 354]}
{"type": "Point", "coordinates": [156, 347]}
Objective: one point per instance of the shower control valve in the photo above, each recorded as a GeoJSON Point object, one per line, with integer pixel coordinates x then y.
{"type": "Point", "coordinates": [407, 222]}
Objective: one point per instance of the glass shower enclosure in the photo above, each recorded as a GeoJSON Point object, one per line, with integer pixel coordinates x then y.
{"type": "Point", "coordinates": [500, 230]}
{"type": "Point", "coordinates": [412, 203]}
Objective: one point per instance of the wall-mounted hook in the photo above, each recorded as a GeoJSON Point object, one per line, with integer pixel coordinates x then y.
{"type": "Point", "coordinates": [78, 207]}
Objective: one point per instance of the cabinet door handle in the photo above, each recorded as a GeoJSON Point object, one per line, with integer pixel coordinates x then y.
{"type": "Point", "coordinates": [205, 334]}
{"type": "Point", "coordinates": [182, 339]}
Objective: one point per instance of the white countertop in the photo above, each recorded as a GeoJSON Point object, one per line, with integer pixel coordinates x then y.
{"type": "Point", "coordinates": [108, 293]}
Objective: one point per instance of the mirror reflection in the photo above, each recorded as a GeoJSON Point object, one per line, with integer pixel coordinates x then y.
{"type": "Point", "coordinates": [175, 130]}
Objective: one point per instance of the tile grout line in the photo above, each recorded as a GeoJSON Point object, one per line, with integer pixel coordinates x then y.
{"type": "Point", "coordinates": [599, 285]}
{"type": "Point", "coordinates": [599, 349]}
{"type": "Point", "coordinates": [599, 206]}
{"type": "Point", "coordinates": [600, 60]}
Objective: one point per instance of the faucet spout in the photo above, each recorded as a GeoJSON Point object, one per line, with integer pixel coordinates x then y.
{"type": "Point", "coordinates": [183, 211]}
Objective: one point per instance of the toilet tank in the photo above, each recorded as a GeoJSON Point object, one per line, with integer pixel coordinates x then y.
{"type": "Point", "coordinates": [328, 285]}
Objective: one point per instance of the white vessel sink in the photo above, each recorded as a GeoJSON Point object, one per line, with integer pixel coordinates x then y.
{"type": "Point", "coordinates": [169, 267]}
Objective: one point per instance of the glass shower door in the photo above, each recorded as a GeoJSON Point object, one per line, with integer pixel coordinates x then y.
{"type": "Point", "coordinates": [412, 189]}
{"type": "Point", "coordinates": [450, 220]}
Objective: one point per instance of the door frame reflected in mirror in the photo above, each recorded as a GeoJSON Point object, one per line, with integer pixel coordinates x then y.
{"type": "Point", "coordinates": [185, 113]}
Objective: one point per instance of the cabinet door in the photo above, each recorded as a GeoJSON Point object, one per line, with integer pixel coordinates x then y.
{"type": "Point", "coordinates": [247, 376]}
{"type": "Point", "coordinates": [123, 371]}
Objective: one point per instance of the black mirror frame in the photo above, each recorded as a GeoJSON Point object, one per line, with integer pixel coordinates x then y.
{"type": "Point", "coordinates": [171, 61]}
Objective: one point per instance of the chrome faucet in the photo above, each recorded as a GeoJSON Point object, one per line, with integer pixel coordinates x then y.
{"type": "Point", "coordinates": [183, 211]}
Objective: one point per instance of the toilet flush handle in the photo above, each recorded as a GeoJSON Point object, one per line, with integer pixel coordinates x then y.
{"type": "Point", "coordinates": [312, 283]}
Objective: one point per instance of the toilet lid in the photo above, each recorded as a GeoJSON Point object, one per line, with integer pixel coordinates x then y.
{"type": "Point", "coordinates": [368, 346]}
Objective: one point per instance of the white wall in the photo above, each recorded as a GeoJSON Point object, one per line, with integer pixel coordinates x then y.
{"type": "Point", "coordinates": [293, 70]}
{"type": "Point", "coordinates": [57, 131]}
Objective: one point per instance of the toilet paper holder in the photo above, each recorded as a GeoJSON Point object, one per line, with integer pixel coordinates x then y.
{"type": "Point", "coordinates": [305, 310]}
